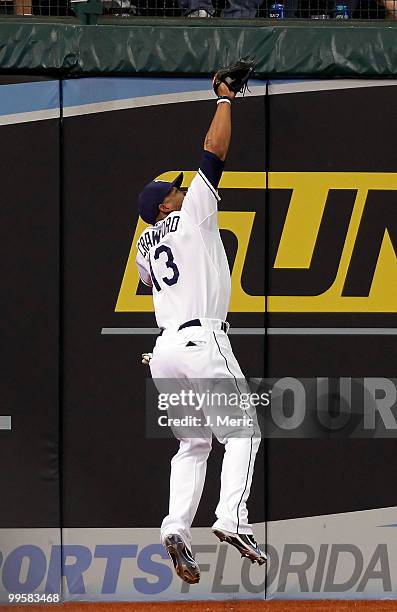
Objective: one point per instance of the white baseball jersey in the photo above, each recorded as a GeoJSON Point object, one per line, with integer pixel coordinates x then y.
{"type": "Point", "coordinates": [182, 257]}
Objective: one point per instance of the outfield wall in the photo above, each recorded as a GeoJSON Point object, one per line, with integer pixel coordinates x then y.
{"type": "Point", "coordinates": [308, 217]}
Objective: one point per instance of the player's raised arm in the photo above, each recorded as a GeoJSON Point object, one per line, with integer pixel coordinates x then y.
{"type": "Point", "coordinates": [227, 83]}
{"type": "Point", "coordinates": [201, 201]}
{"type": "Point", "coordinates": [217, 139]}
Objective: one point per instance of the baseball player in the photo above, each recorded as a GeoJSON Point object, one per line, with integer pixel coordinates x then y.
{"type": "Point", "coordinates": [181, 256]}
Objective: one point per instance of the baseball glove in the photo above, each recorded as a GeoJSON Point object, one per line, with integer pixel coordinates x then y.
{"type": "Point", "coordinates": [235, 76]}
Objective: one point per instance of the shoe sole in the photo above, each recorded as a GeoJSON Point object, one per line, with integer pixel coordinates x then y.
{"type": "Point", "coordinates": [245, 552]}
{"type": "Point", "coordinates": [186, 569]}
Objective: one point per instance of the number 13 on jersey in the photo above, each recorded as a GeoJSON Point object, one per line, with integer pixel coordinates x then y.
{"type": "Point", "coordinates": [163, 255]}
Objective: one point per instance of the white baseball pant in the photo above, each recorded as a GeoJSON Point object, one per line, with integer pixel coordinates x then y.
{"type": "Point", "coordinates": [211, 358]}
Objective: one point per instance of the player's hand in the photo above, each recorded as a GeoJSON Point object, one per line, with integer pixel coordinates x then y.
{"type": "Point", "coordinates": [146, 357]}
{"type": "Point", "coordinates": [233, 79]}
{"type": "Point", "coordinates": [223, 90]}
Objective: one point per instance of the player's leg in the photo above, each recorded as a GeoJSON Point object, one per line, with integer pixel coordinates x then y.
{"type": "Point", "coordinates": [188, 469]}
{"type": "Point", "coordinates": [236, 478]}
{"type": "Point", "coordinates": [188, 466]}
{"type": "Point", "coordinates": [169, 367]}
{"type": "Point", "coordinates": [241, 447]}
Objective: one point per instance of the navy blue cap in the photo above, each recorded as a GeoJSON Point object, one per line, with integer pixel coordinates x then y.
{"type": "Point", "coordinates": [152, 195]}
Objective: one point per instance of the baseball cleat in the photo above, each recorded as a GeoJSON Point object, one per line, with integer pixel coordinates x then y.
{"type": "Point", "coordinates": [245, 544]}
{"type": "Point", "coordinates": [185, 566]}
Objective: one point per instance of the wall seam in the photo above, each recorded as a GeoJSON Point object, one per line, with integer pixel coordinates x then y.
{"type": "Point", "coordinates": [60, 329]}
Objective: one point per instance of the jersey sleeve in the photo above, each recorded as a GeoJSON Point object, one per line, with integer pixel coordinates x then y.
{"type": "Point", "coordinates": [201, 200]}
{"type": "Point", "coordinates": [212, 167]}
{"type": "Point", "coordinates": [143, 269]}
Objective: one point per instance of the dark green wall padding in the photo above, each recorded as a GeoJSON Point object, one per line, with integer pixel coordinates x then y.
{"type": "Point", "coordinates": [181, 47]}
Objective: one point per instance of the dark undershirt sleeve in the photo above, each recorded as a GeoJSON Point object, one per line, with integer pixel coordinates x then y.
{"type": "Point", "coordinates": [212, 167]}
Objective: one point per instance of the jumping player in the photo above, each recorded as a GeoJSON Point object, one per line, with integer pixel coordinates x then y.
{"type": "Point", "coordinates": [181, 256]}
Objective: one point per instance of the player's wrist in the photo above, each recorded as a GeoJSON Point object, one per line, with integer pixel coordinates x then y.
{"type": "Point", "coordinates": [224, 99]}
